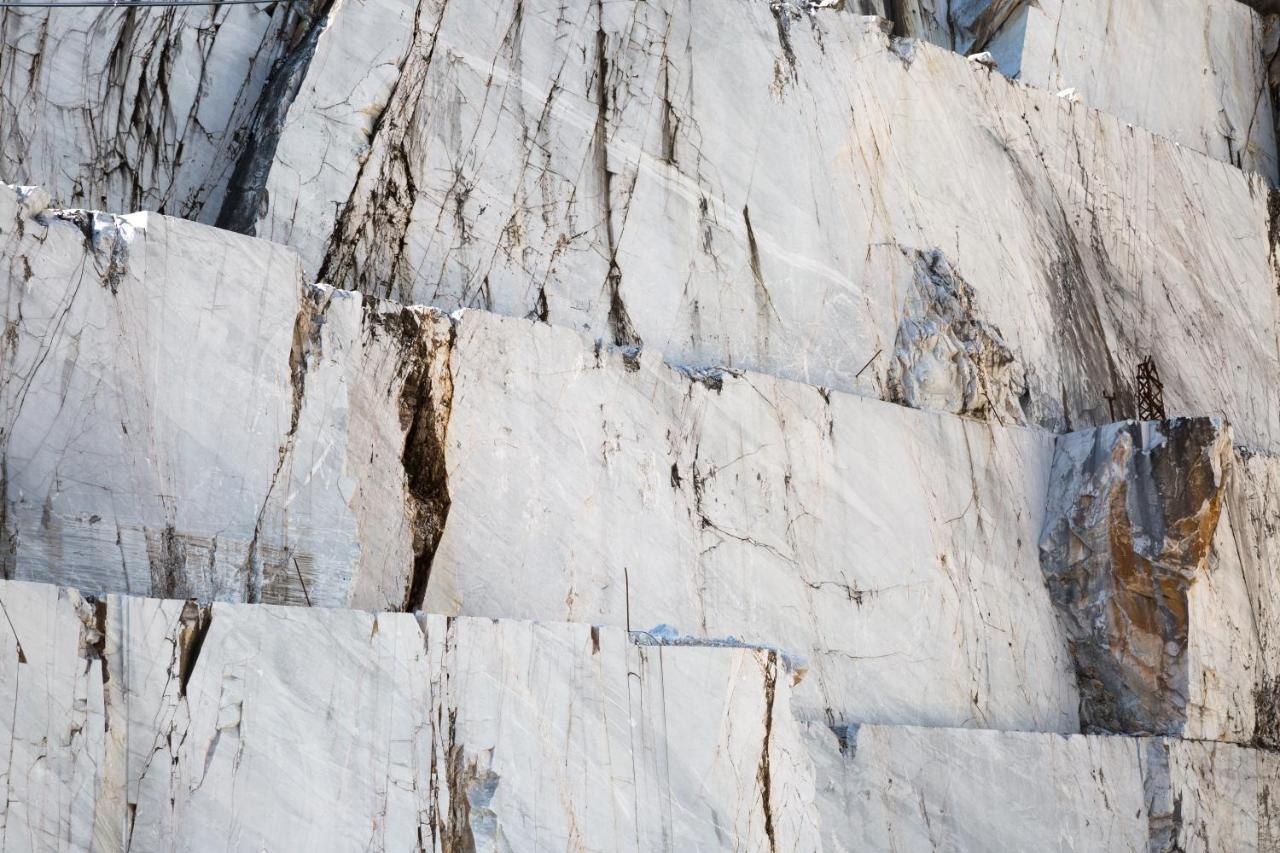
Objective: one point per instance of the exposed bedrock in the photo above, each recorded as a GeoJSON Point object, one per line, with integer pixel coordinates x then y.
{"type": "Point", "coordinates": [1159, 549]}
{"type": "Point", "coordinates": [1133, 512]}
{"type": "Point", "coordinates": [946, 357]}
{"type": "Point", "coordinates": [138, 724]}
{"type": "Point", "coordinates": [145, 109]}
{"type": "Point", "coordinates": [184, 416]}
{"type": "Point", "coordinates": [477, 167]}
{"type": "Point", "coordinates": [316, 447]}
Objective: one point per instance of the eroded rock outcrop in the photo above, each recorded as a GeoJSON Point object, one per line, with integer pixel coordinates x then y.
{"type": "Point", "coordinates": [945, 357]}
{"type": "Point", "coordinates": [1133, 510]}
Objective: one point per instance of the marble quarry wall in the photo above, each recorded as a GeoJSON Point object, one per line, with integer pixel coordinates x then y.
{"type": "Point", "coordinates": [732, 425]}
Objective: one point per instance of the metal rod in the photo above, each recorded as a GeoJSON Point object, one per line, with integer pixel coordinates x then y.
{"type": "Point", "coordinates": [868, 364]}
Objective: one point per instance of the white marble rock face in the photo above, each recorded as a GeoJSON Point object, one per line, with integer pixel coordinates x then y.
{"type": "Point", "coordinates": [367, 455]}
{"type": "Point", "coordinates": [528, 161]}
{"type": "Point", "coordinates": [923, 789]}
{"type": "Point", "coordinates": [182, 416]}
{"type": "Point", "coordinates": [655, 426]}
{"type": "Point", "coordinates": [1193, 71]}
{"type": "Point", "coordinates": [378, 457]}
{"type": "Point", "coordinates": [138, 724]}
{"type": "Point", "coordinates": [754, 509]}
{"type": "Point", "coordinates": [139, 109]}
{"type": "Point", "coordinates": [1219, 108]}
{"type": "Point", "coordinates": [141, 724]}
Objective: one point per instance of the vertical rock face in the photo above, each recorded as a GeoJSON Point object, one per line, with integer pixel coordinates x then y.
{"type": "Point", "coordinates": [196, 421]}
{"type": "Point", "coordinates": [639, 426]}
{"type": "Point", "coordinates": [143, 724]}
{"type": "Point", "coordinates": [1133, 509]}
{"type": "Point", "coordinates": [139, 109]}
{"type": "Point", "coordinates": [1127, 57]}
{"type": "Point", "coordinates": [536, 183]}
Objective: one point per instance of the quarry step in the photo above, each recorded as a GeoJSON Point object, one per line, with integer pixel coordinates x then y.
{"type": "Point", "coordinates": [1189, 70]}
{"type": "Point", "coordinates": [640, 426]}
{"type": "Point", "coordinates": [142, 724]}
{"type": "Point", "coordinates": [164, 110]}
{"type": "Point", "coordinates": [185, 418]}
{"type": "Point", "coordinates": [567, 152]}
{"type": "Point", "coordinates": [609, 176]}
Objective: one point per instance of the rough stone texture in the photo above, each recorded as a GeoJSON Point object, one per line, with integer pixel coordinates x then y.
{"type": "Point", "coordinates": [139, 109]}
{"type": "Point", "coordinates": [148, 725]}
{"type": "Point", "coordinates": [966, 26]}
{"type": "Point", "coordinates": [946, 358]}
{"type": "Point", "coordinates": [528, 160]}
{"type": "Point", "coordinates": [1190, 70]}
{"type": "Point", "coordinates": [143, 724]}
{"type": "Point", "coordinates": [1160, 549]}
{"type": "Point", "coordinates": [367, 455]}
{"type": "Point", "coordinates": [1133, 509]}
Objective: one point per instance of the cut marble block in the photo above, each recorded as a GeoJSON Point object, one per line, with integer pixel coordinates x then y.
{"type": "Point", "coordinates": [1130, 57]}
{"type": "Point", "coordinates": [179, 421]}
{"type": "Point", "coordinates": [1159, 551]}
{"type": "Point", "coordinates": [158, 725]}
{"type": "Point", "coordinates": [1194, 71]}
{"type": "Point", "coordinates": [893, 550]}
{"type": "Point", "coordinates": [602, 166]}
{"type": "Point", "coordinates": [365, 454]}
{"type": "Point", "coordinates": [144, 109]}
{"type": "Point", "coordinates": [143, 724]}
{"type": "Point", "coordinates": [1234, 677]}
{"type": "Point", "coordinates": [318, 447]}
{"type": "Point", "coordinates": [181, 416]}
{"type": "Point", "coordinates": [909, 789]}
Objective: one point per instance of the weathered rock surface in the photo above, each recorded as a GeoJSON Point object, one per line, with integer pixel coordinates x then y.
{"type": "Point", "coordinates": [143, 724]}
{"type": "Point", "coordinates": [480, 167]}
{"type": "Point", "coordinates": [148, 725]}
{"type": "Point", "coordinates": [144, 109]}
{"type": "Point", "coordinates": [1133, 511]}
{"type": "Point", "coordinates": [322, 449]}
{"type": "Point", "coordinates": [1160, 550]}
